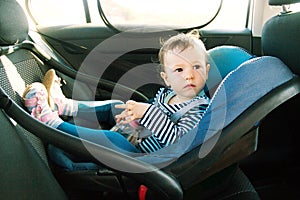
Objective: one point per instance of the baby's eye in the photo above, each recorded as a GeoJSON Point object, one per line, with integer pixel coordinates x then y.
{"type": "Point", "coordinates": [196, 66]}
{"type": "Point", "coordinates": [178, 69]}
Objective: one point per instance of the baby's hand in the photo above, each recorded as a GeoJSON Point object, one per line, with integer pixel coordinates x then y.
{"type": "Point", "coordinates": [122, 117]}
{"type": "Point", "coordinates": [133, 110]}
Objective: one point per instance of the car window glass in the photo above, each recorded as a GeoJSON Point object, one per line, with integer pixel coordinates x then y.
{"type": "Point", "coordinates": [57, 12]}
{"type": "Point", "coordinates": [131, 14]}
{"type": "Point", "coordinates": [170, 14]}
{"type": "Point", "coordinates": [295, 7]}
{"type": "Point", "coordinates": [233, 15]}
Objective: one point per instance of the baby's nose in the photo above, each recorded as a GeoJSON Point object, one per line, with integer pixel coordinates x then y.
{"type": "Point", "coordinates": [188, 76]}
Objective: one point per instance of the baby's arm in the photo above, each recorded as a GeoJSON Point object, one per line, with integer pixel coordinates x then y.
{"type": "Point", "coordinates": [133, 110]}
{"type": "Point", "coordinates": [158, 122]}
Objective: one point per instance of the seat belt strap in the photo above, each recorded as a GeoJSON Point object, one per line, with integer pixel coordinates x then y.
{"type": "Point", "coordinates": [177, 115]}
{"type": "Point", "coordinates": [16, 81]}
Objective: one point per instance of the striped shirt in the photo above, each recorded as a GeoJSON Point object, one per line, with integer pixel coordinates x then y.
{"type": "Point", "coordinates": [157, 120]}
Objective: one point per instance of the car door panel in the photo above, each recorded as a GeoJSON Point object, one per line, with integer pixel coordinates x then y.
{"type": "Point", "coordinates": [76, 42]}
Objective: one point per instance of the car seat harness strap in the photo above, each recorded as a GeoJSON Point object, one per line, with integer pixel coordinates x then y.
{"type": "Point", "coordinates": [177, 115]}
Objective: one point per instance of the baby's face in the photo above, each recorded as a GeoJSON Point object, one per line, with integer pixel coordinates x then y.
{"type": "Point", "coordinates": [186, 71]}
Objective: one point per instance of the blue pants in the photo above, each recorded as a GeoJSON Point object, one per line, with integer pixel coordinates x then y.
{"type": "Point", "coordinates": [106, 138]}
{"type": "Point", "coordinates": [104, 113]}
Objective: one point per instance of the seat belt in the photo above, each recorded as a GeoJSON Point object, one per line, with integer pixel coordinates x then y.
{"type": "Point", "coordinates": [16, 81]}
{"type": "Point", "coordinates": [177, 115]}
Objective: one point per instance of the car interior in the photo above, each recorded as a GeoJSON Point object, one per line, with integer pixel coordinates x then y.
{"type": "Point", "coordinates": [245, 147]}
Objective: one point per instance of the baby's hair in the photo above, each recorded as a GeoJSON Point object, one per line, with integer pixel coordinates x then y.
{"type": "Point", "coordinates": [181, 41]}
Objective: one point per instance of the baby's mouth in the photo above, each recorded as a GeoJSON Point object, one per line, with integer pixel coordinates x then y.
{"type": "Point", "coordinates": [189, 86]}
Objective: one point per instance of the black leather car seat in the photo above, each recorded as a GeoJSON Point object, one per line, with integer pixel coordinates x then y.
{"type": "Point", "coordinates": [280, 35]}
{"type": "Point", "coordinates": [24, 168]}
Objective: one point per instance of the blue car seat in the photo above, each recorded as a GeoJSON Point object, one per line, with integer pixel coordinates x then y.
{"type": "Point", "coordinates": [223, 60]}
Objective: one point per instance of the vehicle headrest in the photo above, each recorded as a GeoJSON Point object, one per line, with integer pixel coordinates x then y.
{"type": "Point", "coordinates": [282, 2]}
{"type": "Point", "coordinates": [13, 23]}
{"type": "Point", "coordinates": [223, 59]}
{"type": "Point", "coordinates": [280, 38]}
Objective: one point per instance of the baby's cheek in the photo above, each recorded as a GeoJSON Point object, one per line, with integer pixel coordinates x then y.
{"type": "Point", "coordinates": [202, 76]}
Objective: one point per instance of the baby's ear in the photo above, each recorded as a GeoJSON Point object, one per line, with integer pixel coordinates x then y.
{"type": "Point", "coordinates": [207, 70]}
{"type": "Point", "coordinates": [163, 75]}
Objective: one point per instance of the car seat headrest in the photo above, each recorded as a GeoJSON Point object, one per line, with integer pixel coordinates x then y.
{"type": "Point", "coordinates": [282, 2]}
{"type": "Point", "coordinates": [223, 59]}
{"type": "Point", "coordinates": [13, 23]}
{"type": "Point", "coordinates": [280, 38]}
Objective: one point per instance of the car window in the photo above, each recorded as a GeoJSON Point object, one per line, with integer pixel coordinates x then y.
{"type": "Point", "coordinates": [233, 15]}
{"type": "Point", "coordinates": [168, 14]}
{"type": "Point", "coordinates": [295, 7]}
{"type": "Point", "coordinates": [175, 14]}
{"type": "Point", "coordinates": [142, 14]}
{"type": "Point", "coordinates": [57, 12]}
